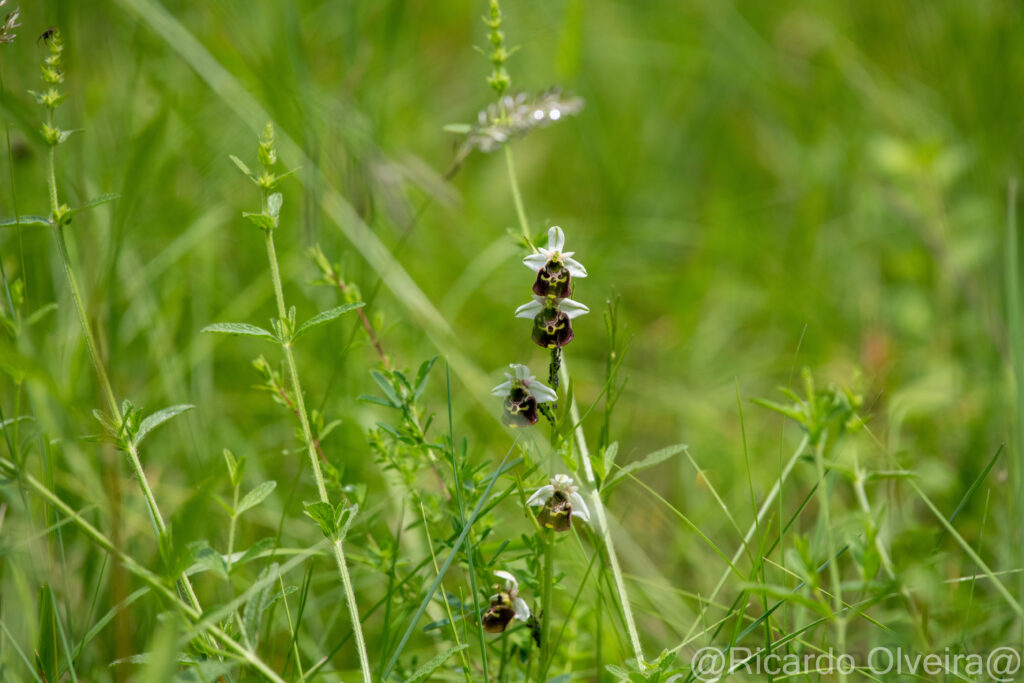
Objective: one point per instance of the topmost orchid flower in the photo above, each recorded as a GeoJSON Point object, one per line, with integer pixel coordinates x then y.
{"type": "Point", "coordinates": [554, 268]}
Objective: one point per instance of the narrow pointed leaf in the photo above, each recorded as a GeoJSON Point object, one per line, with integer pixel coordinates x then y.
{"type": "Point", "coordinates": [640, 465]}
{"type": "Point", "coordinates": [256, 496]}
{"type": "Point", "coordinates": [158, 418]}
{"type": "Point", "coordinates": [25, 220]}
{"type": "Point", "coordinates": [325, 317]}
{"type": "Point", "coordinates": [239, 328]}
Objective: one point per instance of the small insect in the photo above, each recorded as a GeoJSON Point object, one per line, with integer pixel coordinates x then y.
{"type": "Point", "coordinates": [46, 36]}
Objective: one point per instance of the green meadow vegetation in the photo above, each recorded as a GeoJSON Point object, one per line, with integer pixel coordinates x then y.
{"type": "Point", "coordinates": [532, 341]}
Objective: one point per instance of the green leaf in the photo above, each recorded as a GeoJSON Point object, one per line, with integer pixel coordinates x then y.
{"type": "Point", "coordinates": [65, 134]}
{"type": "Point", "coordinates": [206, 556]}
{"type": "Point", "coordinates": [257, 603]}
{"type": "Point", "coordinates": [232, 463]}
{"type": "Point", "coordinates": [25, 220]}
{"type": "Point", "coordinates": [274, 203]}
{"type": "Point", "coordinates": [241, 166]}
{"type": "Point", "coordinates": [385, 386]}
{"type": "Point", "coordinates": [260, 220]}
{"type": "Point", "coordinates": [324, 318]}
{"type": "Point", "coordinates": [421, 377]}
{"type": "Point", "coordinates": [256, 496]}
{"type": "Point", "coordinates": [239, 328]}
{"type": "Point", "coordinates": [608, 458]}
{"type": "Point", "coordinates": [255, 550]}
{"type": "Point", "coordinates": [102, 199]}
{"type": "Point", "coordinates": [158, 418]}
{"type": "Point", "coordinates": [640, 465]}
{"type": "Point", "coordinates": [323, 514]}
{"type": "Point", "coordinates": [366, 398]}
{"type": "Point", "coordinates": [423, 673]}
{"type": "Point", "coordinates": [40, 313]}
{"type": "Point", "coordinates": [458, 128]}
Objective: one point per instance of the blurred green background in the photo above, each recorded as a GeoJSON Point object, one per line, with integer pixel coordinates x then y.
{"type": "Point", "coordinates": [765, 185]}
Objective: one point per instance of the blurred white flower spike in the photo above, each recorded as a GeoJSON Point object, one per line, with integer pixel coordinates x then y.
{"type": "Point", "coordinates": [514, 116]}
{"type": "Point", "coordinates": [561, 502]}
{"type": "Point", "coordinates": [506, 605]}
{"type": "Point", "coordinates": [7, 34]}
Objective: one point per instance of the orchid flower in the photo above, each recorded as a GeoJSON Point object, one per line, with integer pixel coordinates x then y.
{"type": "Point", "coordinates": [560, 500]}
{"type": "Point", "coordinates": [506, 605]}
{"type": "Point", "coordinates": [522, 392]}
{"type": "Point", "coordinates": [555, 268]}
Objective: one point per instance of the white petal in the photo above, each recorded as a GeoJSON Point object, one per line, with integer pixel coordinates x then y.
{"type": "Point", "coordinates": [521, 608]}
{"type": "Point", "coordinates": [536, 261]}
{"type": "Point", "coordinates": [529, 310]}
{"type": "Point", "coordinates": [573, 309]}
{"type": "Point", "coordinates": [502, 389]}
{"type": "Point", "coordinates": [510, 581]}
{"type": "Point", "coordinates": [579, 507]}
{"type": "Point", "coordinates": [540, 496]}
{"type": "Point", "coordinates": [542, 392]}
{"type": "Point", "coordinates": [561, 481]}
{"type": "Point", "coordinates": [556, 238]}
{"type": "Point", "coordinates": [521, 372]}
{"type": "Point", "coordinates": [574, 267]}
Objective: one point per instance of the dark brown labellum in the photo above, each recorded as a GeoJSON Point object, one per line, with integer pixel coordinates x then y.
{"type": "Point", "coordinates": [557, 514]}
{"type": "Point", "coordinates": [520, 408]}
{"type": "Point", "coordinates": [552, 280]}
{"type": "Point", "coordinates": [498, 616]}
{"type": "Point", "coordinates": [552, 329]}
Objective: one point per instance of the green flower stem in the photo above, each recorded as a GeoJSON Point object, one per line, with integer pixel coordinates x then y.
{"type": "Point", "coordinates": [307, 434]}
{"type": "Point", "coordinates": [548, 536]}
{"type": "Point", "coordinates": [146, 575]}
{"type": "Point", "coordinates": [835, 580]}
{"type": "Point", "coordinates": [159, 526]}
{"type": "Point", "coordinates": [581, 443]}
{"type": "Point", "coordinates": [517, 198]}
{"type": "Point", "coordinates": [602, 525]}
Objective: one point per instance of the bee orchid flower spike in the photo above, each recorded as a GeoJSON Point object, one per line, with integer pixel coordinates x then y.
{"type": "Point", "coordinates": [522, 392]}
{"type": "Point", "coordinates": [555, 268]}
{"type": "Point", "coordinates": [506, 605]}
{"type": "Point", "coordinates": [561, 501]}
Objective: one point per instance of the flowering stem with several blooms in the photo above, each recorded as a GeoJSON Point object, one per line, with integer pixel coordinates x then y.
{"type": "Point", "coordinates": [570, 310]}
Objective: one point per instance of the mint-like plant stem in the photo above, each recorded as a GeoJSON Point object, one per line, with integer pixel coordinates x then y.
{"type": "Point", "coordinates": [307, 435]}
{"type": "Point", "coordinates": [59, 215]}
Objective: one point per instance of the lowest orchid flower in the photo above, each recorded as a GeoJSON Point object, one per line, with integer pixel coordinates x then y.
{"type": "Point", "coordinates": [555, 268]}
{"type": "Point", "coordinates": [506, 605]}
{"type": "Point", "coordinates": [561, 500]}
{"type": "Point", "coordinates": [522, 392]}
{"type": "Point", "coordinates": [552, 319]}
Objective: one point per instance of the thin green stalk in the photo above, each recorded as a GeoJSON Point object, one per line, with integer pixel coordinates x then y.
{"type": "Point", "coordinates": [318, 475]}
{"type": "Point", "coordinates": [548, 538]}
{"type": "Point", "coordinates": [759, 518]}
{"type": "Point", "coordinates": [159, 526]}
{"type": "Point", "coordinates": [517, 198]}
{"type": "Point", "coordinates": [601, 526]}
{"type": "Point", "coordinates": [825, 515]}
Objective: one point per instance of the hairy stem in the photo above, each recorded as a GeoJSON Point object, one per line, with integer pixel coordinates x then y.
{"type": "Point", "coordinates": [314, 460]}
{"type": "Point", "coordinates": [159, 526]}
